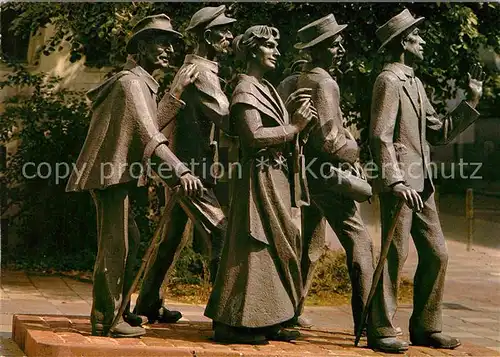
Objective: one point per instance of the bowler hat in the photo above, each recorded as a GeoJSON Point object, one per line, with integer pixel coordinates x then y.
{"type": "Point", "coordinates": [395, 26]}
{"type": "Point", "coordinates": [318, 31]}
{"type": "Point", "coordinates": [154, 24]}
{"type": "Point", "coordinates": [209, 17]}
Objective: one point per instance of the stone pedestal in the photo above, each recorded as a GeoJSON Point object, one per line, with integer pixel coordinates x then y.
{"type": "Point", "coordinates": [64, 336]}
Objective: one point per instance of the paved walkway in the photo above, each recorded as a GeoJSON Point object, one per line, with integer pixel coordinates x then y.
{"type": "Point", "coordinates": [471, 302]}
{"type": "Point", "coordinates": [471, 309]}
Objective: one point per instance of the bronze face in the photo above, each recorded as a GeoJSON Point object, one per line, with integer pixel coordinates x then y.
{"type": "Point", "coordinates": [336, 51]}
{"type": "Point", "coordinates": [267, 54]}
{"type": "Point", "coordinates": [413, 44]}
{"type": "Point", "coordinates": [221, 38]}
{"type": "Point", "coordinates": [329, 53]}
{"type": "Point", "coordinates": [157, 51]}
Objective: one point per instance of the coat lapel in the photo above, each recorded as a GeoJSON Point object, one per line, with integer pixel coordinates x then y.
{"type": "Point", "coordinates": [421, 94]}
{"type": "Point", "coordinates": [413, 99]}
{"type": "Point", "coordinates": [268, 102]}
{"type": "Point", "coordinates": [279, 103]}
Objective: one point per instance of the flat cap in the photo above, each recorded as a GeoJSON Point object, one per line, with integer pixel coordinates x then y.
{"type": "Point", "coordinates": [209, 17]}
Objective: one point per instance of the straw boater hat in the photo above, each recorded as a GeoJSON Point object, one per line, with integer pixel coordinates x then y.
{"type": "Point", "coordinates": [395, 26]}
{"type": "Point", "coordinates": [209, 17]}
{"type": "Point", "coordinates": [150, 25]}
{"type": "Point", "coordinates": [318, 31]}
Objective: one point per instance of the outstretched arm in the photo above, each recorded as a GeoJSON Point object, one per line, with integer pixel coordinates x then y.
{"type": "Point", "coordinates": [171, 102]}
{"type": "Point", "coordinates": [154, 142]}
{"type": "Point", "coordinates": [443, 131]}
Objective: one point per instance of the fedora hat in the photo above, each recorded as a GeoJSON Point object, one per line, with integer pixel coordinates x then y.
{"type": "Point", "coordinates": [209, 17]}
{"type": "Point", "coordinates": [317, 31]}
{"type": "Point", "coordinates": [395, 26]}
{"type": "Point", "coordinates": [153, 24]}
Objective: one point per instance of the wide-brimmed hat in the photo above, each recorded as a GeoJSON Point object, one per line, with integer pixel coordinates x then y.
{"type": "Point", "coordinates": [318, 31]}
{"type": "Point", "coordinates": [209, 17]}
{"type": "Point", "coordinates": [395, 26]}
{"type": "Point", "coordinates": [156, 24]}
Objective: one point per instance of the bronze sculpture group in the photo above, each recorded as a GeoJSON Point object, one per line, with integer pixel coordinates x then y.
{"type": "Point", "coordinates": [262, 263]}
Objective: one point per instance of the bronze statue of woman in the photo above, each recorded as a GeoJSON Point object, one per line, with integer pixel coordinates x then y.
{"type": "Point", "coordinates": [258, 285]}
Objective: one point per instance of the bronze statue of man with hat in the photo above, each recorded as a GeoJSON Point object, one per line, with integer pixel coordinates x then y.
{"type": "Point", "coordinates": [403, 124]}
{"type": "Point", "coordinates": [330, 144]}
{"type": "Point", "coordinates": [124, 132]}
{"type": "Point", "coordinates": [192, 140]}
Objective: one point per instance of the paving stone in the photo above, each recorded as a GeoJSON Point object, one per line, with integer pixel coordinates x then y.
{"type": "Point", "coordinates": [191, 340]}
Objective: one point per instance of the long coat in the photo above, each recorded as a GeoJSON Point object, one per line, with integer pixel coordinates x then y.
{"type": "Point", "coordinates": [123, 126]}
{"type": "Point", "coordinates": [403, 123]}
{"type": "Point", "coordinates": [191, 134]}
{"type": "Point", "coordinates": [259, 281]}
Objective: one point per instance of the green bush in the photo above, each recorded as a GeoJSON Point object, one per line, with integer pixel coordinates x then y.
{"type": "Point", "coordinates": [331, 275]}
{"type": "Point", "coordinates": [57, 230]}
{"type": "Point", "coordinates": [49, 125]}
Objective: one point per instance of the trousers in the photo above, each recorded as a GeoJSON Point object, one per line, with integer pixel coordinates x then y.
{"type": "Point", "coordinates": [428, 284]}
{"type": "Point", "coordinates": [118, 240]}
{"type": "Point", "coordinates": [345, 219]}
{"type": "Point", "coordinates": [208, 219]}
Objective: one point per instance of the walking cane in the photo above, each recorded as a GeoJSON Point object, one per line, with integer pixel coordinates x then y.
{"type": "Point", "coordinates": [378, 270]}
{"type": "Point", "coordinates": [154, 241]}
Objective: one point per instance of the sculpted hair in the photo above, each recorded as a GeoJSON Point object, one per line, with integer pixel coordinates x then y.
{"type": "Point", "coordinates": [252, 38]}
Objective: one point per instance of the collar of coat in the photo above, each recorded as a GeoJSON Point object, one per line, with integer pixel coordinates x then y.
{"type": "Point", "coordinates": [99, 93]}
{"type": "Point", "coordinates": [202, 62]}
{"type": "Point", "coordinates": [250, 91]}
{"type": "Point", "coordinates": [402, 71]}
{"type": "Point", "coordinates": [141, 72]}
{"type": "Point", "coordinates": [320, 71]}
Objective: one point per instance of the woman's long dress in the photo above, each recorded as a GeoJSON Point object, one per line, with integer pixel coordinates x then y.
{"type": "Point", "coordinates": [259, 281]}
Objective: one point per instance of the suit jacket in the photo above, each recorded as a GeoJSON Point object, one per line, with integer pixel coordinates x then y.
{"type": "Point", "coordinates": [123, 131]}
{"type": "Point", "coordinates": [403, 123]}
{"type": "Point", "coordinates": [191, 135]}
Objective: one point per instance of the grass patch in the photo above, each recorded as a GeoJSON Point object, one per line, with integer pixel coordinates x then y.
{"type": "Point", "coordinates": [188, 293]}
{"type": "Point", "coordinates": [332, 287]}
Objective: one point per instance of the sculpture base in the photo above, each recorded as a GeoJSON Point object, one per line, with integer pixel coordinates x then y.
{"type": "Point", "coordinates": [54, 336]}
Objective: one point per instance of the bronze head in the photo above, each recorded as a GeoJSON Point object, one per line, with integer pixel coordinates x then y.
{"type": "Point", "coordinates": [211, 26]}
{"type": "Point", "coordinates": [401, 34]}
{"type": "Point", "coordinates": [258, 47]}
{"type": "Point", "coordinates": [151, 42]}
{"type": "Point", "coordinates": [322, 41]}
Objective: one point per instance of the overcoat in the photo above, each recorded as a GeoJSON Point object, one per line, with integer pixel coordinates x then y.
{"type": "Point", "coordinates": [191, 135]}
{"type": "Point", "coordinates": [259, 282]}
{"type": "Point", "coordinates": [123, 125]}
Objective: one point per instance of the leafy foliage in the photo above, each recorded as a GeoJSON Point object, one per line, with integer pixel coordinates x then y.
{"type": "Point", "coordinates": [454, 33]}
{"type": "Point", "coordinates": [53, 125]}
{"type": "Point", "coordinates": [331, 275]}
